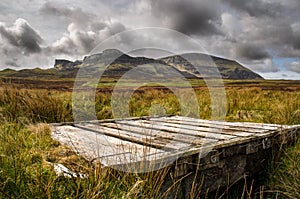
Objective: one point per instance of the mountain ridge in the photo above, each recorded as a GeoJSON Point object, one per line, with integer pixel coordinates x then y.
{"type": "Point", "coordinates": [189, 65]}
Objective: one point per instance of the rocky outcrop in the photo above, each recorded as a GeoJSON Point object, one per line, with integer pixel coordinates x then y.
{"type": "Point", "coordinates": [63, 64]}
{"type": "Point", "coordinates": [113, 56]}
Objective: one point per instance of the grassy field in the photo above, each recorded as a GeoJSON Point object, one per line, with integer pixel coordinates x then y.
{"type": "Point", "coordinates": [27, 152]}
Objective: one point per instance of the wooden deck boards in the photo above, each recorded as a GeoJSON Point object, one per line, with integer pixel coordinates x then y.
{"type": "Point", "coordinates": [154, 140]}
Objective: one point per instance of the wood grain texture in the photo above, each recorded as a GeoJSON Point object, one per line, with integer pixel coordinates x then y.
{"type": "Point", "coordinates": [153, 140]}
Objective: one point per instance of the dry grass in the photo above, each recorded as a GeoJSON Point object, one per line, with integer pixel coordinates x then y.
{"type": "Point", "coordinates": [27, 152]}
{"type": "Point", "coordinates": [30, 106]}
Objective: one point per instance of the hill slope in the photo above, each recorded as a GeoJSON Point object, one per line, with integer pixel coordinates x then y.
{"type": "Point", "coordinates": [202, 65]}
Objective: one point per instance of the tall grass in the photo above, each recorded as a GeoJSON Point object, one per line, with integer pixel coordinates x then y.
{"type": "Point", "coordinates": [249, 104]}
{"type": "Point", "coordinates": [27, 155]}
{"type": "Point", "coordinates": [22, 105]}
{"type": "Point", "coordinates": [256, 105]}
{"type": "Point", "coordinates": [27, 152]}
{"type": "Point", "coordinates": [285, 176]}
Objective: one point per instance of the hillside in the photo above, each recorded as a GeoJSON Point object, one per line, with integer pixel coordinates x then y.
{"type": "Point", "coordinates": [190, 65]}
{"type": "Point", "coordinates": [206, 66]}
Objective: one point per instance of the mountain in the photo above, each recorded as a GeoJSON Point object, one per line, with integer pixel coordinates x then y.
{"type": "Point", "coordinates": [205, 66]}
{"type": "Point", "coordinates": [190, 65]}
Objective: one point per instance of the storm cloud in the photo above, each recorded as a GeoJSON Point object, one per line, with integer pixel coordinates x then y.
{"type": "Point", "coordinates": [251, 52]}
{"type": "Point", "coordinates": [256, 33]}
{"type": "Point", "coordinates": [75, 15]}
{"type": "Point", "coordinates": [262, 66]}
{"type": "Point", "coordinates": [296, 35]}
{"type": "Point", "coordinates": [255, 8]}
{"type": "Point", "coordinates": [21, 35]}
{"type": "Point", "coordinates": [84, 31]}
{"type": "Point", "coordinates": [189, 16]}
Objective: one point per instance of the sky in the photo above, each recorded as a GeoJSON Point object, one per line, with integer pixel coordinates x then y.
{"type": "Point", "coordinates": [263, 35]}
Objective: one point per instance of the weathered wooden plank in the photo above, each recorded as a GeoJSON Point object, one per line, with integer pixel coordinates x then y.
{"type": "Point", "coordinates": [151, 133]}
{"type": "Point", "coordinates": [111, 150]}
{"type": "Point", "coordinates": [126, 135]}
{"type": "Point", "coordinates": [177, 130]}
{"type": "Point", "coordinates": [225, 129]}
{"type": "Point", "coordinates": [165, 140]}
{"type": "Point", "coordinates": [224, 124]}
{"type": "Point", "coordinates": [251, 125]}
{"type": "Point", "coordinates": [114, 152]}
{"type": "Point", "coordinates": [208, 129]}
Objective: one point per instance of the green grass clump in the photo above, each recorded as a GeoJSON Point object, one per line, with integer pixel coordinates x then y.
{"type": "Point", "coordinates": [256, 105]}
{"type": "Point", "coordinates": [30, 106]}
{"type": "Point", "coordinates": [285, 176]}
{"type": "Point", "coordinates": [23, 172]}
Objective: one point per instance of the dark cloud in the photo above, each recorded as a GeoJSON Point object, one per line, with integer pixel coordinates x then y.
{"type": "Point", "coordinates": [275, 31]}
{"type": "Point", "coordinates": [97, 25]}
{"type": "Point", "coordinates": [296, 36]}
{"type": "Point", "coordinates": [262, 66]}
{"type": "Point", "coordinates": [75, 15]}
{"type": "Point", "coordinates": [279, 36]}
{"type": "Point", "coordinates": [290, 8]}
{"type": "Point", "coordinates": [253, 32]}
{"type": "Point", "coordinates": [189, 16]}
{"type": "Point", "coordinates": [251, 52]}
{"type": "Point", "coordinates": [84, 31]}
{"type": "Point", "coordinates": [12, 63]}
{"type": "Point", "coordinates": [276, 36]}
{"type": "Point", "coordinates": [13, 57]}
{"type": "Point", "coordinates": [22, 35]}
{"type": "Point", "coordinates": [255, 8]}
{"type": "Point", "coordinates": [293, 66]}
